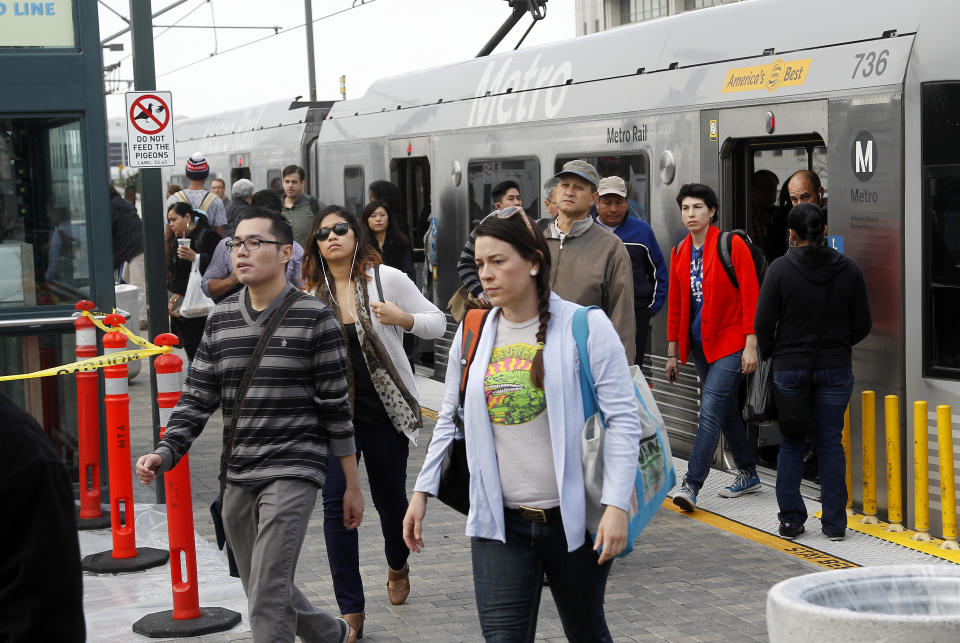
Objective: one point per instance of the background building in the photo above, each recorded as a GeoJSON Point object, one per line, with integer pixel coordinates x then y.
{"type": "Point", "coordinates": [599, 15]}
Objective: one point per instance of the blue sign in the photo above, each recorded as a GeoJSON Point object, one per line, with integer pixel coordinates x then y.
{"type": "Point", "coordinates": [835, 241]}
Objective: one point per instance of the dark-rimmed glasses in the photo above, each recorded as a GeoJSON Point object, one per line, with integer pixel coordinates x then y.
{"type": "Point", "coordinates": [506, 213]}
{"type": "Point", "coordinates": [339, 229]}
{"type": "Point", "coordinates": [250, 244]}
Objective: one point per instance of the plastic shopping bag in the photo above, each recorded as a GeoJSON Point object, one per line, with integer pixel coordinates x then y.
{"type": "Point", "coordinates": [195, 303]}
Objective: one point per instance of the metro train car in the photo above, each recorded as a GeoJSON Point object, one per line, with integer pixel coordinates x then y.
{"type": "Point", "coordinates": [864, 92]}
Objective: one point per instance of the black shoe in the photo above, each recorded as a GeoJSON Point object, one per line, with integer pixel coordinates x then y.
{"type": "Point", "coordinates": [837, 536]}
{"type": "Point", "coordinates": [790, 530]}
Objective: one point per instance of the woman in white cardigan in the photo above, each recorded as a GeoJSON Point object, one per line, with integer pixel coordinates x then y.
{"type": "Point", "coordinates": [523, 417]}
{"type": "Point", "coordinates": [376, 304]}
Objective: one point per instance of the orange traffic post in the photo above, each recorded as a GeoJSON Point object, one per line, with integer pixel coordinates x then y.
{"type": "Point", "coordinates": [91, 514]}
{"type": "Point", "coordinates": [186, 618]}
{"type": "Point", "coordinates": [948, 491]}
{"type": "Point", "coordinates": [125, 557]}
{"type": "Point", "coordinates": [891, 416]}
{"type": "Point", "coordinates": [921, 482]}
{"type": "Point", "coordinates": [845, 440]}
{"type": "Point", "coordinates": [868, 439]}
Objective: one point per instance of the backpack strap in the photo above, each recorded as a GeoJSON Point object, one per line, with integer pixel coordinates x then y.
{"type": "Point", "coordinates": [376, 276]}
{"type": "Point", "coordinates": [725, 252]}
{"type": "Point", "coordinates": [588, 390]}
{"type": "Point", "coordinates": [207, 201]}
{"type": "Point", "coordinates": [473, 323]}
{"type": "Point", "coordinates": [181, 196]}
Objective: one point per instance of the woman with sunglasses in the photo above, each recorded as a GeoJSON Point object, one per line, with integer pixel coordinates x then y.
{"type": "Point", "coordinates": [191, 237]}
{"type": "Point", "coordinates": [376, 305]}
{"type": "Point", "coordinates": [523, 418]}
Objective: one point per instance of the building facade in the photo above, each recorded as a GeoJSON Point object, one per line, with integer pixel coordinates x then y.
{"type": "Point", "coordinates": [593, 16]}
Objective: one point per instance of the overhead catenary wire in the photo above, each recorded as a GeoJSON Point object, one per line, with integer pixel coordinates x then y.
{"type": "Point", "coordinates": [262, 38]}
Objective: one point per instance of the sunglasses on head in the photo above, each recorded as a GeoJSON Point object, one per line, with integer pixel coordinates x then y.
{"type": "Point", "coordinates": [339, 229]}
{"type": "Point", "coordinates": [506, 213]}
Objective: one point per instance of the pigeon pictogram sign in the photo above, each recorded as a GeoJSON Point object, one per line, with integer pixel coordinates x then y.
{"type": "Point", "coordinates": [150, 129]}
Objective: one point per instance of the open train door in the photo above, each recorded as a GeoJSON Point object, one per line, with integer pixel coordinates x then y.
{"type": "Point", "coordinates": [410, 171]}
{"type": "Point", "coordinates": [759, 148]}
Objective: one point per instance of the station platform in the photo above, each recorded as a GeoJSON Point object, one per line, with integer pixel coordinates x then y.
{"type": "Point", "coordinates": [701, 576]}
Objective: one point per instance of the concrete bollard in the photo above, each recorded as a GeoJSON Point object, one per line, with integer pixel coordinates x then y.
{"type": "Point", "coordinates": [868, 437]}
{"type": "Point", "coordinates": [948, 492]}
{"type": "Point", "coordinates": [921, 490]}
{"type": "Point", "coordinates": [891, 414]}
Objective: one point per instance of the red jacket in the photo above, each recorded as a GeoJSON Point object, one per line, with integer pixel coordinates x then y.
{"type": "Point", "coordinates": [727, 315]}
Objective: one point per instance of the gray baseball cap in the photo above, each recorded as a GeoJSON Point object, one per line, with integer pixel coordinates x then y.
{"type": "Point", "coordinates": [612, 185]}
{"type": "Point", "coordinates": [582, 169]}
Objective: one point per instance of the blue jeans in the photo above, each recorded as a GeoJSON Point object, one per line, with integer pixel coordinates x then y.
{"type": "Point", "coordinates": [831, 393]}
{"type": "Point", "coordinates": [384, 452]}
{"type": "Point", "coordinates": [507, 579]}
{"type": "Point", "coordinates": [719, 413]}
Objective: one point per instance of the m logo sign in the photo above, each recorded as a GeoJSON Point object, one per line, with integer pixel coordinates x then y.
{"type": "Point", "coordinates": [863, 156]}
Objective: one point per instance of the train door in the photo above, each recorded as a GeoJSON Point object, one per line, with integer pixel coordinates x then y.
{"type": "Point", "coordinates": [761, 148]}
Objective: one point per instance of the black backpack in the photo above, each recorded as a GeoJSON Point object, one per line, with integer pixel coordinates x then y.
{"type": "Point", "coordinates": [725, 252]}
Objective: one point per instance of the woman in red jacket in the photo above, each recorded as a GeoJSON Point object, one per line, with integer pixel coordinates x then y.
{"type": "Point", "coordinates": [712, 319]}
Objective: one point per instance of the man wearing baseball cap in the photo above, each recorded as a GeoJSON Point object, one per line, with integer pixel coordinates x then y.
{"type": "Point", "coordinates": [590, 265]}
{"type": "Point", "coordinates": [649, 268]}
{"type": "Point", "coordinates": [199, 198]}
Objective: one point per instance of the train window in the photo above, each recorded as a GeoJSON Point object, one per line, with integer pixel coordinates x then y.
{"type": "Point", "coordinates": [353, 188]}
{"type": "Point", "coordinates": [941, 220]}
{"type": "Point", "coordinates": [275, 180]}
{"type": "Point", "coordinates": [634, 169]}
{"type": "Point", "coordinates": [483, 175]}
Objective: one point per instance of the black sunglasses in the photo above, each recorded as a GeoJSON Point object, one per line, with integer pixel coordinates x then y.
{"type": "Point", "coordinates": [339, 229]}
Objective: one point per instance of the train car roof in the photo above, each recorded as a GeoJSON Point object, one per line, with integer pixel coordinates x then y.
{"type": "Point", "coordinates": [681, 60]}
{"type": "Point", "coordinates": [247, 119]}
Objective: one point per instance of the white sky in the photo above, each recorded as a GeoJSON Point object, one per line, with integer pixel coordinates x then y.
{"type": "Point", "coordinates": [378, 39]}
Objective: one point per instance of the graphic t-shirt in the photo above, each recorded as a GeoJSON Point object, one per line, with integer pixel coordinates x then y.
{"type": "Point", "coordinates": [696, 292]}
{"type": "Point", "coordinates": [517, 409]}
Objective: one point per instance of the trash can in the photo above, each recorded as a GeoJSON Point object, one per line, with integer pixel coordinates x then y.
{"type": "Point", "coordinates": [128, 299]}
{"type": "Point", "coordinates": [915, 603]}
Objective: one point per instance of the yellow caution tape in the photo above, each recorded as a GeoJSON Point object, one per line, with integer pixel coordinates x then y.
{"type": "Point", "coordinates": [136, 339]}
{"type": "Point", "coordinates": [113, 359]}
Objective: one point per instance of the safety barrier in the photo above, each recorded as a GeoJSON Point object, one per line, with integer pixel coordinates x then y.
{"type": "Point", "coordinates": [91, 514]}
{"type": "Point", "coordinates": [186, 618]}
{"type": "Point", "coordinates": [125, 557]}
{"type": "Point", "coordinates": [948, 498]}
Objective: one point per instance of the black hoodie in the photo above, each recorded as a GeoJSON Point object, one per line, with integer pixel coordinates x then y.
{"type": "Point", "coordinates": [792, 306]}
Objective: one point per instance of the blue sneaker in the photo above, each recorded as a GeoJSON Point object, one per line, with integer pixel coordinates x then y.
{"type": "Point", "coordinates": [685, 497]}
{"type": "Point", "coordinates": [745, 482]}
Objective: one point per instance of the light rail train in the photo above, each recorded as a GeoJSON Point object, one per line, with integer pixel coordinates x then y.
{"type": "Point", "coordinates": [865, 92]}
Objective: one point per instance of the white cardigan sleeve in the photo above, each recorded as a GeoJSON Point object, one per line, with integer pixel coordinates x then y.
{"type": "Point", "coordinates": [428, 321]}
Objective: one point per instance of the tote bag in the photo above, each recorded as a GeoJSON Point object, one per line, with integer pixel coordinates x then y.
{"type": "Point", "coordinates": [195, 303]}
{"type": "Point", "coordinates": [655, 474]}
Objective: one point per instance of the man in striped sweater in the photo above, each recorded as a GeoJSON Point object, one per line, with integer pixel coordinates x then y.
{"type": "Point", "coordinates": [296, 410]}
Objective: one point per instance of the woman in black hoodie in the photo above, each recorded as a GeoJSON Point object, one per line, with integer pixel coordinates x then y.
{"type": "Point", "coordinates": [810, 338]}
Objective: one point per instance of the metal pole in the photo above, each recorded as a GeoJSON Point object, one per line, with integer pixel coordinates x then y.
{"type": "Point", "coordinates": [126, 29]}
{"type": "Point", "coordinates": [502, 32]}
{"type": "Point", "coordinates": [311, 69]}
{"type": "Point", "coordinates": [144, 74]}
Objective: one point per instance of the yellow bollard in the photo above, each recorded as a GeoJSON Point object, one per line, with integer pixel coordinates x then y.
{"type": "Point", "coordinates": [845, 439]}
{"type": "Point", "coordinates": [921, 482]}
{"type": "Point", "coordinates": [948, 492]}
{"type": "Point", "coordinates": [891, 414]}
{"type": "Point", "coordinates": [868, 439]}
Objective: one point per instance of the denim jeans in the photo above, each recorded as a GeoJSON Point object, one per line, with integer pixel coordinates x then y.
{"type": "Point", "coordinates": [719, 413]}
{"type": "Point", "coordinates": [831, 393]}
{"type": "Point", "coordinates": [384, 451]}
{"type": "Point", "coordinates": [507, 579]}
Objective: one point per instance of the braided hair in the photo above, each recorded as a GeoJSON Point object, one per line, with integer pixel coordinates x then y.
{"type": "Point", "coordinates": [529, 242]}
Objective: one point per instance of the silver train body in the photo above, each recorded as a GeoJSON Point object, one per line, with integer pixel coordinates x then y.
{"type": "Point", "coordinates": [850, 89]}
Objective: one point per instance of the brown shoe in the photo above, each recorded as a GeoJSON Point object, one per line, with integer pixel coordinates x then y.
{"type": "Point", "coordinates": [398, 585]}
{"type": "Point", "coordinates": [355, 621]}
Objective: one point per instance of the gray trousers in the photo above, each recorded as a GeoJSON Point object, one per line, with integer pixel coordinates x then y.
{"type": "Point", "coordinates": [266, 528]}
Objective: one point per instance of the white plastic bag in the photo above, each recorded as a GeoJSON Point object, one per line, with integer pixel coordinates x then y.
{"type": "Point", "coordinates": [195, 303]}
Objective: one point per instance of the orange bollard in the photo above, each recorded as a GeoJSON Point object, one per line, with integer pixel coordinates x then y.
{"type": "Point", "coordinates": [187, 617]}
{"type": "Point", "coordinates": [125, 556]}
{"type": "Point", "coordinates": [91, 515]}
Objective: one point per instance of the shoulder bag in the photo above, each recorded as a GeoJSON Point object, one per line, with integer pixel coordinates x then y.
{"type": "Point", "coordinates": [655, 474]}
{"type": "Point", "coordinates": [216, 508]}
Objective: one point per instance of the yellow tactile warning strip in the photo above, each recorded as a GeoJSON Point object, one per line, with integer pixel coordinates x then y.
{"type": "Point", "coordinates": [902, 538]}
{"type": "Point", "coordinates": [428, 413]}
{"type": "Point", "coordinates": [792, 548]}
